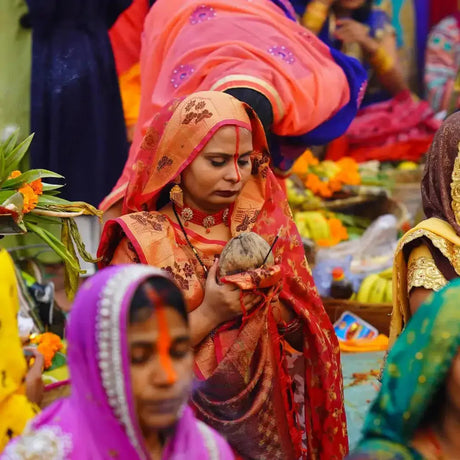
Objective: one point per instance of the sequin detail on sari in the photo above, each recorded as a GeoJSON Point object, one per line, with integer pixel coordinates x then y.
{"type": "Point", "coordinates": [283, 53]}
{"type": "Point", "coordinates": [181, 74]}
{"type": "Point", "coordinates": [201, 14]}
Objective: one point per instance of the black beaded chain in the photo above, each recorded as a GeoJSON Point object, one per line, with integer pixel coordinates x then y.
{"type": "Point", "coordinates": [188, 241]}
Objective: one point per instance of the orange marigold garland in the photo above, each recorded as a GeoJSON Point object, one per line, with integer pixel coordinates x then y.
{"type": "Point", "coordinates": [48, 344]}
{"type": "Point", "coordinates": [327, 177]}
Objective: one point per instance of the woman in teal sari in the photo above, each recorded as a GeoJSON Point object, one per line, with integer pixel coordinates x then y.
{"type": "Point", "coordinates": [416, 415]}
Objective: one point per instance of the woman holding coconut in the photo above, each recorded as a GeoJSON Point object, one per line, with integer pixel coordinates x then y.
{"type": "Point", "coordinates": [266, 357]}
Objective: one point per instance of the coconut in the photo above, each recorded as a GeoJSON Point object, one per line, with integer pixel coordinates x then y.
{"type": "Point", "coordinates": [244, 252]}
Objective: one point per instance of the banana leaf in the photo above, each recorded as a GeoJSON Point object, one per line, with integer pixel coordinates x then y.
{"type": "Point", "coordinates": [13, 158]}
{"type": "Point", "coordinates": [30, 176]}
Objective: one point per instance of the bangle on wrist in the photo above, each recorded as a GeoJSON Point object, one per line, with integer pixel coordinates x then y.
{"type": "Point", "coordinates": [292, 326]}
{"type": "Point", "coordinates": [381, 61]}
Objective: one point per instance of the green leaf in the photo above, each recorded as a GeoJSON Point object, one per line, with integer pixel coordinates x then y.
{"type": "Point", "coordinates": [42, 220]}
{"type": "Point", "coordinates": [51, 187]}
{"type": "Point", "coordinates": [56, 245]}
{"type": "Point", "coordinates": [75, 235]}
{"type": "Point", "coordinates": [5, 194]}
{"type": "Point", "coordinates": [49, 200]}
{"type": "Point", "coordinates": [30, 176]}
{"type": "Point", "coordinates": [16, 199]}
{"type": "Point", "coordinates": [13, 158]}
{"type": "Point", "coordinates": [3, 175]}
{"type": "Point", "coordinates": [71, 276]}
{"type": "Point", "coordinates": [10, 143]}
{"type": "Point", "coordinates": [59, 360]}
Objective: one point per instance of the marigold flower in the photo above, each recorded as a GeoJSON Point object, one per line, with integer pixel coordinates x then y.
{"type": "Point", "coordinates": [30, 198]}
{"type": "Point", "coordinates": [48, 345]}
{"type": "Point", "coordinates": [14, 174]}
{"type": "Point", "coordinates": [37, 186]}
{"type": "Point", "coordinates": [313, 183]}
{"type": "Point", "coordinates": [303, 163]}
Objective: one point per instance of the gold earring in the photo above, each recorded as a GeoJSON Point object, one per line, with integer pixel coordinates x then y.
{"type": "Point", "coordinates": [176, 195]}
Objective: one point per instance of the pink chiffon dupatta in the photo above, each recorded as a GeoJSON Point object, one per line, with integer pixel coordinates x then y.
{"type": "Point", "coordinates": [98, 420]}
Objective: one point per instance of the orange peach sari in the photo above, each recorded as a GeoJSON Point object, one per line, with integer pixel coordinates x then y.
{"type": "Point", "coordinates": [244, 388]}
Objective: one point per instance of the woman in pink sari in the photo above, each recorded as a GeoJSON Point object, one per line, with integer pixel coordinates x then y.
{"type": "Point", "coordinates": [131, 368]}
{"type": "Point", "coordinates": [303, 92]}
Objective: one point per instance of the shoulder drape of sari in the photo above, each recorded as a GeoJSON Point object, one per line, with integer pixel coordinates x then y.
{"type": "Point", "coordinates": [15, 408]}
{"type": "Point", "coordinates": [427, 347]}
{"type": "Point", "coordinates": [444, 238]}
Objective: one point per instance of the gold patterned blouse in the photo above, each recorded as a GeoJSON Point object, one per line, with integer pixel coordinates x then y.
{"type": "Point", "coordinates": [422, 270]}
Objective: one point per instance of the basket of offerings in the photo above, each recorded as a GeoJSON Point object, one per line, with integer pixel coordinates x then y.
{"type": "Point", "coordinates": [29, 204]}
{"type": "Point", "coordinates": [341, 210]}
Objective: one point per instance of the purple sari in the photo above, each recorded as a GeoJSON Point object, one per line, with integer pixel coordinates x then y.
{"type": "Point", "coordinates": [98, 420]}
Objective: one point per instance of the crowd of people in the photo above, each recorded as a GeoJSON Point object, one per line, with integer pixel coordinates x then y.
{"type": "Point", "coordinates": [189, 342]}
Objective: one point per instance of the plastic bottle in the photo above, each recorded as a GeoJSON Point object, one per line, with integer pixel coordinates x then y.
{"type": "Point", "coordinates": [341, 288]}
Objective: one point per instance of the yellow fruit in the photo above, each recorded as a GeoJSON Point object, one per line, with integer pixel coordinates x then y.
{"type": "Point", "coordinates": [378, 291]}
{"type": "Point", "coordinates": [365, 290]}
{"type": "Point", "coordinates": [317, 225]}
{"type": "Point", "coordinates": [407, 166]}
{"type": "Point", "coordinates": [302, 227]}
{"type": "Point", "coordinates": [387, 274]}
